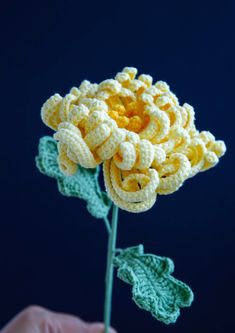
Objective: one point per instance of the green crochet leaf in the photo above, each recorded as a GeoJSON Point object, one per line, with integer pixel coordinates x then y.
{"type": "Point", "coordinates": [84, 184]}
{"type": "Point", "coordinates": [154, 289]}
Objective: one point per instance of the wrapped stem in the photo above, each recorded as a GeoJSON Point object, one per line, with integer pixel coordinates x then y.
{"type": "Point", "coordinates": [110, 268]}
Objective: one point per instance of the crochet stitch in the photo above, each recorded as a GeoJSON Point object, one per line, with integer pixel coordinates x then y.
{"type": "Point", "coordinates": [148, 145]}
{"type": "Point", "coordinates": [147, 142]}
{"type": "Point", "coordinates": [84, 184]}
{"type": "Point", "coordinates": [154, 289]}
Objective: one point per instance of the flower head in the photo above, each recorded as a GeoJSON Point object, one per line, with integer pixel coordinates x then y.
{"type": "Point", "coordinates": [147, 142]}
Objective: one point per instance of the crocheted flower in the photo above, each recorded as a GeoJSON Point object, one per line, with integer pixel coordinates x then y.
{"type": "Point", "coordinates": [147, 142]}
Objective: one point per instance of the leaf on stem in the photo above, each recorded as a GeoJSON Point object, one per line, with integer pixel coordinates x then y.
{"type": "Point", "coordinates": [84, 184]}
{"type": "Point", "coordinates": [154, 289]}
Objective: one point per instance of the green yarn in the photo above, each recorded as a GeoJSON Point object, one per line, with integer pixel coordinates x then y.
{"type": "Point", "coordinates": [84, 184]}
{"type": "Point", "coordinates": [109, 269]}
{"type": "Point", "coordinates": [154, 289]}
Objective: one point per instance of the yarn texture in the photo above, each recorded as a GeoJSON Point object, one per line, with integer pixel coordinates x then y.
{"type": "Point", "coordinates": [147, 142]}
{"type": "Point", "coordinates": [148, 145]}
{"type": "Point", "coordinates": [154, 289]}
{"type": "Point", "coordinates": [83, 184]}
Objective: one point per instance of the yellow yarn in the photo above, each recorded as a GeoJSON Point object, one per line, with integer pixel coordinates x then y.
{"type": "Point", "coordinates": [148, 142]}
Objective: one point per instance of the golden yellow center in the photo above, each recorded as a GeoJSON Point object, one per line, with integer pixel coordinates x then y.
{"type": "Point", "coordinates": [127, 114]}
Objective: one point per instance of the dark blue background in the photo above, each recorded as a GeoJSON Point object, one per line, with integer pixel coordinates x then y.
{"type": "Point", "coordinates": [52, 252]}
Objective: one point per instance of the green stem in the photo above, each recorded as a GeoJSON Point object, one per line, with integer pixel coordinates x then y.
{"type": "Point", "coordinates": [106, 222]}
{"type": "Point", "coordinates": [109, 269]}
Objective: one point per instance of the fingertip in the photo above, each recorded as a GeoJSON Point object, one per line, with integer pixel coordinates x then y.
{"type": "Point", "coordinates": [99, 328]}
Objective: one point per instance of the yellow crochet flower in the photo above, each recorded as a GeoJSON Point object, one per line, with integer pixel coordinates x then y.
{"type": "Point", "coordinates": [147, 142]}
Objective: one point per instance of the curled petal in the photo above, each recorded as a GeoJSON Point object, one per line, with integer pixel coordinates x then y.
{"type": "Point", "coordinates": [65, 106]}
{"type": "Point", "coordinates": [75, 91]}
{"type": "Point", "coordinates": [158, 126]}
{"type": "Point", "coordinates": [131, 71]}
{"type": "Point", "coordinates": [214, 150]}
{"type": "Point", "coordinates": [112, 86]}
{"type": "Point", "coordinates": [66, 165]}
{"type": "Point", "coordinates": [126, 156]}
{"type": "Point", "coordinates": [211, 160]}
{"type": "Point", "coordinates": [146, 155]}
{"type": "Point", "coordinates": [181, 139]}
{"type": "Point", "coordinates": [163, 86]}
{"type": "Point", "coordinates": [122, 77]}
{"type": "Point", "coordinates": [218, 147]}
{"type": "Point", "coordinates": [97, 136]}
{"type": "Point", "coordinates": [126, 93]}
{"type": "Point", "coordinates": [50, 111]}
{"type": "Point", "coordinates": [136, 186]}
{"type": "Point", "coordinates": [146, 98]}
{"type": "Point", "coordinates": [110, 147]}
{"type": "Point", "coordinates": [147, 79]}
{"type": "Point", "coordinates": [164, 102]}
{"type": "Point", "coordinates": [177, 140]}
{"type": "Point", "coordinates": [77, 114]}
{"type": "Point", "coordinates": [173, 172]}
{"type": "Point", "coordinates": [188, 116]}
{"type": "Point", "coordinates": [84, 87]}
{"type": "Point", "coordinates": [132, 137]}
{"type": "Point", "coordinates": [134, 207]}
{"type": "Point", "coordinates": [96, 118]}
{"type": "Point", "coordinates": [77, 146]}
{"type": "Point", "coordinates": [196, 154]}
{"type": "Point", "coordinates": [175, 117]}
{"type": "Point", "coordinates": [94, 104]}
{"type": "Point", "coordinates": [159, 156]}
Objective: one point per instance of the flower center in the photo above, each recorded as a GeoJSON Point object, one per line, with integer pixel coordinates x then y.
{"type": "Point", "coordinates": [127, 113]}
